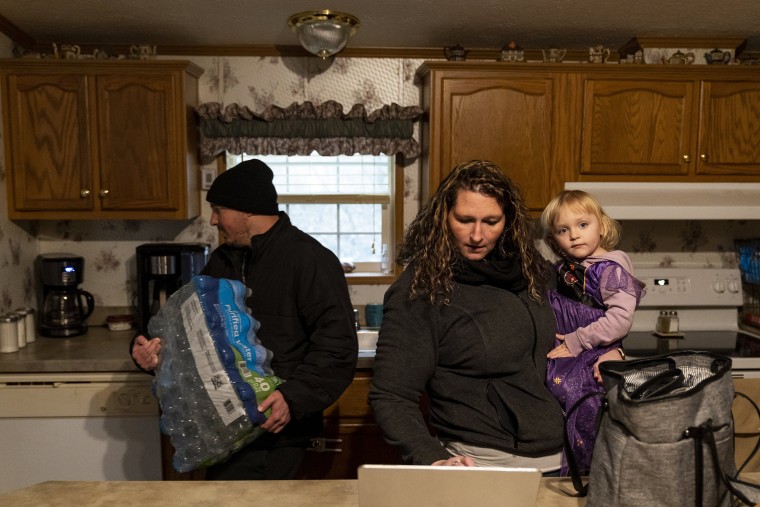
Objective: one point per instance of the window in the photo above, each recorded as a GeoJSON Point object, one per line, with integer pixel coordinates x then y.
{"type": "Point", "coordinates": [345, 202]}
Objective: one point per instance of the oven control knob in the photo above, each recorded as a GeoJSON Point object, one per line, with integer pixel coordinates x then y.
{"type": "Point", "coordinates": [719, 287]}
{"type": "Point", "coordinates": [733, 287]}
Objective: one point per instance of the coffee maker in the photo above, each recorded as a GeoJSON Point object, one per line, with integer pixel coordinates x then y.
{"type": "Point", "coordinates": [64, 306]}
{"type": "Point", "coordinates": [162, 268]}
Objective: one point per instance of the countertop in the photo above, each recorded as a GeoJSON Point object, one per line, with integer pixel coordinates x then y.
{"type": "Point", "coordinates": [98, 350]}
{"type": "Point", "coordinates": [554, 492]}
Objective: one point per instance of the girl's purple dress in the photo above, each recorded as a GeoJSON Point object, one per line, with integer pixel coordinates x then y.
{"type": "Point", "coordinates": [577, 302]}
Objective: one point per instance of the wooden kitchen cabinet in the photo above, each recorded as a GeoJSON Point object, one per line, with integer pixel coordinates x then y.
{"type": "Point", "coordinates": [636, 127]}
{"type": "Point", "coordinates": [351, 436]}
{"type": "Point", "coordinates": [671, 125]}
{"type": "Point", "coordinates": [512, 116]}
{"type": "Point", "coordinates": [729, 130]}
{"type": "Point", "coordinates": [746, 423]}
{"type": "Point", "coordinates": [546, 124]}
{"type": "Point", "coordinates": [93, 139]}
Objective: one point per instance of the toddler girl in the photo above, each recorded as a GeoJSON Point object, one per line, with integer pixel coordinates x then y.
{"type": "Point", "coordinates": [594, 302]}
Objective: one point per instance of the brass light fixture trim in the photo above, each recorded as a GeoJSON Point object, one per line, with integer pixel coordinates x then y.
{"type": "Point", "coordinates": [323, 32]}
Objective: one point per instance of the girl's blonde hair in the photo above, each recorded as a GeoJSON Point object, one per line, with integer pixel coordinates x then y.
{"type": "Point", "coordinates": [583, 202]}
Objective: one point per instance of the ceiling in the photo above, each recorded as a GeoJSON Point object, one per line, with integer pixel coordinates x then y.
{"type": "Point", "coordinates": [433, 24]}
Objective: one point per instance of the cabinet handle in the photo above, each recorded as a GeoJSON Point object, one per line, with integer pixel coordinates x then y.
{"type": "Point", "coordinates": [84, 193]}
{"type": "Point", "coordinates": [704, 157]}
{"type": "Point", "coordinates": [104, 192]}
{"type": "Point", "coordinates": [320, 445]}
{"type": "Point", "coordinates": [686, 159]}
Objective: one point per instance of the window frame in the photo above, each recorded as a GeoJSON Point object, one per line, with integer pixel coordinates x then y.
{"type": "Point", "coordinates": [395, 204]}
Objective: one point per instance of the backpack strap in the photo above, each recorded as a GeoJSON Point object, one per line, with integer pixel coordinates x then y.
{"type": "Point", "coordinates": [572, 465]}
{"type": "Point", "coordinates": [740, 489]}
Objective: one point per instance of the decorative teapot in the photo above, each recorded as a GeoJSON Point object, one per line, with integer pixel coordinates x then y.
{"type": "Point", "coordinates": [66, 51]}
{"type": "Point", "coordinates": [455, 53]}
{"type": "Point", "coordinates": [598, 54]}
{"type": "Point", "coordinates": [679, 58]}
{"type": "Point", "coordinates": [718, 57]}
{"type": "Point", "coordinates": [142, 51]}
{"type": "Point", "coordinates": [553, 54]}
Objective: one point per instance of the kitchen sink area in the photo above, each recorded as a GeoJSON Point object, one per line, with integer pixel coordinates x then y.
{"type": "Point", "coordinates": [367, 341]}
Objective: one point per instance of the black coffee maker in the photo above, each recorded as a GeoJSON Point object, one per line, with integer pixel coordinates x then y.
{"type": "Point", "coordinates": [162, 268]}
{"type": "Point", "coordinates": [64, 306]}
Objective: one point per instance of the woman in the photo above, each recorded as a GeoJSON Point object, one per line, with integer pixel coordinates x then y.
{"type": "Point", "coordinates": [467, 323]}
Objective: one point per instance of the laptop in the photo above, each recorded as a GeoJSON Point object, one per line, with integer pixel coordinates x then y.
{"type": "Point", "coordinates": [444, 486]}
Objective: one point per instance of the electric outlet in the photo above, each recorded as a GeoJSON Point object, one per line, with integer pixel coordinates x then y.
{"type": "Point", "coordinates": [207, 177]}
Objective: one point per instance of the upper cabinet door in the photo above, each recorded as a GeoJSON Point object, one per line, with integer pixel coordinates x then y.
{"type": "Point", "coordinates": [637, 127]}
{"type": "Point", "coordinates": [509, 121]}
{"type": "Point", "coordinates": [48, 143]}
{"type": "Point", "coordinates": [91, 139]}
{"type": "Point", "coordinates": [138, 135]}
{"type": "Point", "coordinates": [729, 131]}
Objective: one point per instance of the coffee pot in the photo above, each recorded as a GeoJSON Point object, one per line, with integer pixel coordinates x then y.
{"type": "Point", "coordinates": [64, 306]}
{"type": "Point", "coordinates": [162, 268]}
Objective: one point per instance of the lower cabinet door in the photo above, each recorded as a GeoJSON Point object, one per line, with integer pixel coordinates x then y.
{"type": "Point", "coordinates": [351, 437]}
{"type": "Point", "coordinates": [747, 423]}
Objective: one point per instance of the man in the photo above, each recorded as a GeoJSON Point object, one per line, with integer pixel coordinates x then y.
{"type": "Point", "coordinates": [300, 297]}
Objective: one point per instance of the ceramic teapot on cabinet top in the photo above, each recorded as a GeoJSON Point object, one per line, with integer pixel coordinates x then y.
{"type": "Point", "coordinates": [718, 57]}
{"type": "Point", "coordinates": [679, 58]}
{"type": "Point", "coordinates": [455, 53]}
{"type": "Point", "coordinates": [553, 54]}
{"type": "Point", "coordinates": [598, 54]}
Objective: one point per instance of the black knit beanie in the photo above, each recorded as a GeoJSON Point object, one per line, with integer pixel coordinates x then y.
{"type": "Point", "coordinates": [246, 187]}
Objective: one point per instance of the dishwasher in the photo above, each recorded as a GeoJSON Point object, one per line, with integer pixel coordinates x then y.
{"type": "Point", "coordinates": [78, 427]}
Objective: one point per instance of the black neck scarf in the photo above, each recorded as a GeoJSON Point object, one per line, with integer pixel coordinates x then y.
{"type": "Point", "coordinates": [495, 270]}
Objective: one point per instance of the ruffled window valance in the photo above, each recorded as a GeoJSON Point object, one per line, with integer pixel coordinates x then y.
{"type": "Point", "coordinates": [300, 129]}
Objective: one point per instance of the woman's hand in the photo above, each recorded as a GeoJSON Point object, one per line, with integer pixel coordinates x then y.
{"type": "Point", "coordinates": [455, 461]}
{"type": "Point", "coordinates": [145, 352]}
{"type": "Point", "coordinates": [560, 350]}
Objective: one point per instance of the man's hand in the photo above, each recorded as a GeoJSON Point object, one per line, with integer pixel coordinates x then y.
{"type": "Point", "coordinates": [146, 352]}
{"type": "Point", "coordinates": [280, 412]}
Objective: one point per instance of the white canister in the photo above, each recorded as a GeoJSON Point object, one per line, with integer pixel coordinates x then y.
{"type": "Point", "coordinates": [20, 329]}
{"type": "Point", "coordinates": [28, 313]}
{"type": "Point", "coordinates": [9, 333]}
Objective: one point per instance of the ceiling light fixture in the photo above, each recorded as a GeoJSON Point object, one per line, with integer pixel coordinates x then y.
{"type": "Point", "coordinates": [323, 32]}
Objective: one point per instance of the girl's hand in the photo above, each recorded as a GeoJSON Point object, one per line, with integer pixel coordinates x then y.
{"type": "Point", "coordinates": [612, 355]}
{"type": "Point", "coordinates": [560, 350]}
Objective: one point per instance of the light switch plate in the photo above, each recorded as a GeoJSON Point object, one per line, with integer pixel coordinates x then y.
{"type": "Point", "coordinates": [207, 177]}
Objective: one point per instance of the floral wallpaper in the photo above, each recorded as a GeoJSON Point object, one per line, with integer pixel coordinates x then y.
{"type": "Point", "coordinates": [258, 82]}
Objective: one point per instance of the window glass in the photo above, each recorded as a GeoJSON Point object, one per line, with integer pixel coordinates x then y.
{"type": "Point", "coordinates": [345, 202]}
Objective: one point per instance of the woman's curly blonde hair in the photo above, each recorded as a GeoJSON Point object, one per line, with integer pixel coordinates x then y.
{"type": "Point", "coordinates": [429, 250]}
